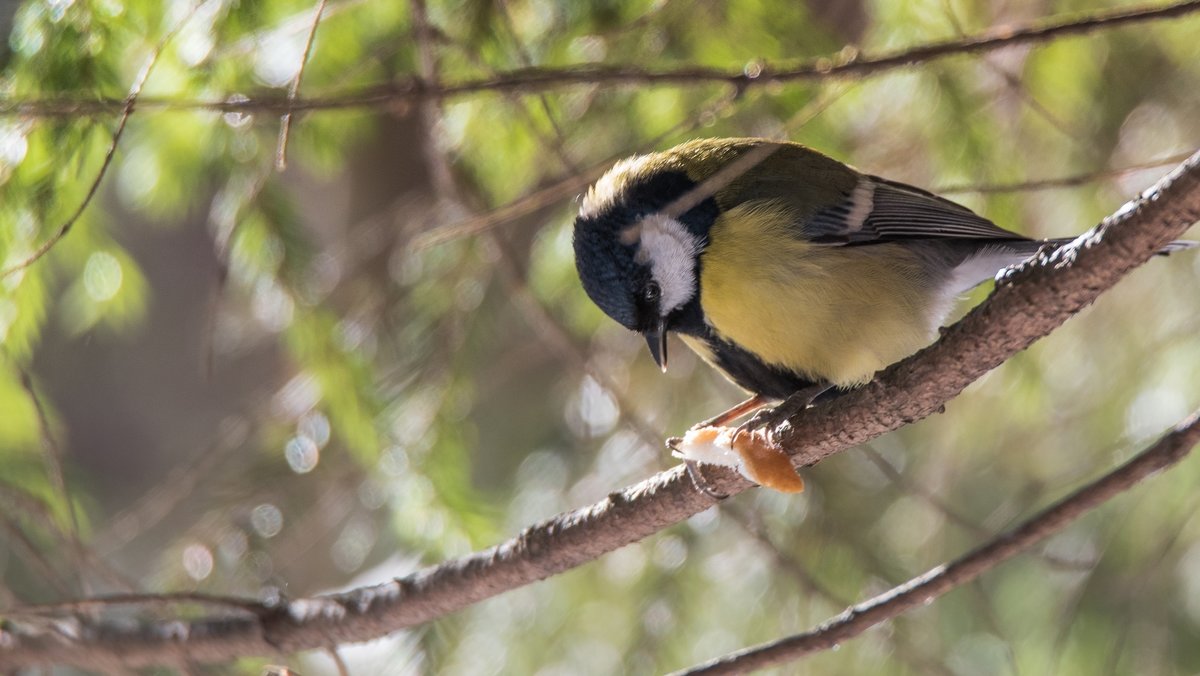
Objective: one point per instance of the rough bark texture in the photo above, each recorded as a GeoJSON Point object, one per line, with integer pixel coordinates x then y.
{"type": "Point", "coordinates": [1029, 304]}
{"type": "Point", "coordinates": [924, 588]}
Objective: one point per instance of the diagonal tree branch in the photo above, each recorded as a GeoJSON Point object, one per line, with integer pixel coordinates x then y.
{"type": "Point", "coordinates": [52, 455]}
{"type": "Point", "coordinates": [1028, 304]}
{"type": "Point", "coordinates": [848, 64]}
{"type": "Point", "coordinates": [1062, 181]}
{"type": "Point", "coordinates": [918, 591]}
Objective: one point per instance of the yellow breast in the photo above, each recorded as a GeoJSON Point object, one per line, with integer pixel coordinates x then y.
{"type": "Point", "coordinates": [835, 314]}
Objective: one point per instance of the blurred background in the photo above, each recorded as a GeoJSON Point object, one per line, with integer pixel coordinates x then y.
{"type": "Point", "coordinates": [262, 382]}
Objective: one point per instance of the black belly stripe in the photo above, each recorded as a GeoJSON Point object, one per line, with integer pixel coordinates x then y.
{"type": "Point", "coordinates": [751, 373]}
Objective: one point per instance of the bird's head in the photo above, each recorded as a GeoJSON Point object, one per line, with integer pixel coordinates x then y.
{"type": "Point", "coordinates": [638, 243]}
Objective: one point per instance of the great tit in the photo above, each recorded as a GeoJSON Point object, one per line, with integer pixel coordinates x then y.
{"type": "Point", "coordinates": [783, 268]}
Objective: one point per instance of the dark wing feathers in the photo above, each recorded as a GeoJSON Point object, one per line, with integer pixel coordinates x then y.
{"type": "Point", "coordinates": [898, 211]}
{"type": "Point", "coordinates": [864, 209]}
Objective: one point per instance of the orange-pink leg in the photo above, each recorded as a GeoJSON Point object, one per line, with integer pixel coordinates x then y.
{"type": "Point", "coordinates": [743, 409]}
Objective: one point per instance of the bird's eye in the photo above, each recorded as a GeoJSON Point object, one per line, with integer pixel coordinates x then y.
{"type": "Point", "coordinates": [652, 292]}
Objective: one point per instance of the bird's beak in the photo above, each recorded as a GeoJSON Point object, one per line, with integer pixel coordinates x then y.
{"type": "Point", "coordinates": [656, 339]}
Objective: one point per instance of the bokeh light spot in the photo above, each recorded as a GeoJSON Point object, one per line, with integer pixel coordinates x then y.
{"type": "Point", "coordinates": [197, 561]}
{"type": "Point", "coordinates": [302, 454]}
{"type": "Point", "coordinates": [102, 276]}
{"type": "Point", "coordinates": [315, 426]}
{"type": "Point", "coordinates": [272, 305]}
{"type": "Point", "coordinates": [139, 175]}
{"type": "Point", "coordinates": [13, 146]}
{"type": "Point", "coordinates": [267, 520]}
{"type": "Point", "coordinates": [234, 118]}
{"type": "Point", "coordinates": [278, 57]}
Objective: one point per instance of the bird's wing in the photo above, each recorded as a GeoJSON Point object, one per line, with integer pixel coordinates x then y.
{"type": "Point", "coordinates": [879, 210]}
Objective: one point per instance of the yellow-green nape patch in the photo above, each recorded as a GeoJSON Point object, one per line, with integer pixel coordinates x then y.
{"type": "Point", "coordinates": [701, 158]}
{"type": "Point", "coordinates": [789, 172]}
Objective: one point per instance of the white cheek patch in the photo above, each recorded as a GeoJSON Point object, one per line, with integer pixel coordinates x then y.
{"type": "Point", "coordinates": [671, 251]}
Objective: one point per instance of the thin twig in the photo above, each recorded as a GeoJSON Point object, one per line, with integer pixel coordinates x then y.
{"type": "Point", "coordinates": [949, 513]}
{"type": "Point", "coordinates": [52, 455]}
{"type": "Point", "coordinates": [563, 188]}
{"type": "Point", "coordinates": [224, 233]}
{"type": "Point", "coordinates": [36, 560]}
{"type": "Point", "coordinates": [558, 148]}
{"type": "Point", "coordinates": [1064, 181]}
{"type": "Point", "coordinates": [440, 171]}
{"type": "Point", "coordinates": [532, 80]}
{"type": "Point", "coordinates": [65, 228]}
{"type": "Point", "coordinates": [285, 124]}
{"type": "Point", "coordinates": [571, 185]}
{"type": "Point", "coordinates": [545, 326]}
{"type": "Point", "coordinates": [556, 336]}
{"type": "Point", "coordinates": [530, 203]}
{"type": "Point", "coordinates": [294, 24]}
{"type": "Point", "coordinates": [924, 588]}
{"type": "Point", "coordinates": [32, 508]}
{"type": "Point", "coordinates": [794, 568]}
{"type": "Point", "coordinates": [156, 504]}
{"type": "Point", "coordinates": [1013, 83]}
{"type": "Point", "coordinates": [127, 107]}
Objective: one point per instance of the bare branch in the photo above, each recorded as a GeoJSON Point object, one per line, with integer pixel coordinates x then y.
{"type": "Point", "coordinates": [33, 556]}
{"type": "Point", "coordinates": [556, 337]}
{"type": "Point", "coordinates": [441, 173]}
{"type": "Point", "coordinates": [224, 231]}
{"type": "Point", "coordinates": [1013, 83]}
{"type": "Point", "coordinates": [126, 105]}
{"type": "Point", "coordinates": [794, 568]}
{"type": "Point", "coordinates": [1061, 182]}
{"type": "Point", "coordinates": [949, 513]}
{"type": "Point", "coordinates": [285, 125]}
{"type": "Point", "coordinates": [53, 457]}
{"type": "Point", "coordinates": [35, 510]}
{"type": "Point", "coordinates": [545, 326]}
{"type": "Point", "coordinates": [924, 588]}
{"type": "Point", "coordinates": [565, 187]}
{"type": "Point", "coordinates": [849, 63]}
{"type": "Point", "coordinates": [1030, 303]}
{"type": "Point", "coordinates": [179, 485]}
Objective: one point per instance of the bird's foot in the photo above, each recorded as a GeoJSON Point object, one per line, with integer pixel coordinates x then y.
{"type": "Point", "coordinates": [751, 446]}
{"type": "Point", "coordinates": [700, 481]}
{"type": "Point", "coordinates": [770, 419]}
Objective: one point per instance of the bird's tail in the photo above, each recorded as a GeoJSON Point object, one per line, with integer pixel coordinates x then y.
{"type": "Point", "coordinates": [1177, 245]}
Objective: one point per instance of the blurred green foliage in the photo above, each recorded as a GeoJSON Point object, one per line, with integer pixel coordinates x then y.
{"type": "Point", "coordinates": [340, 406]}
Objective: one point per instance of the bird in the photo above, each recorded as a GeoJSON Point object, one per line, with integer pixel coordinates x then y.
{"type": "Point", "coordinates": [785, 269]}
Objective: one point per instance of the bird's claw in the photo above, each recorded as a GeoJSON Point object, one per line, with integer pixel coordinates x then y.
{"type": "Point", "coordinates": [701, 483]}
